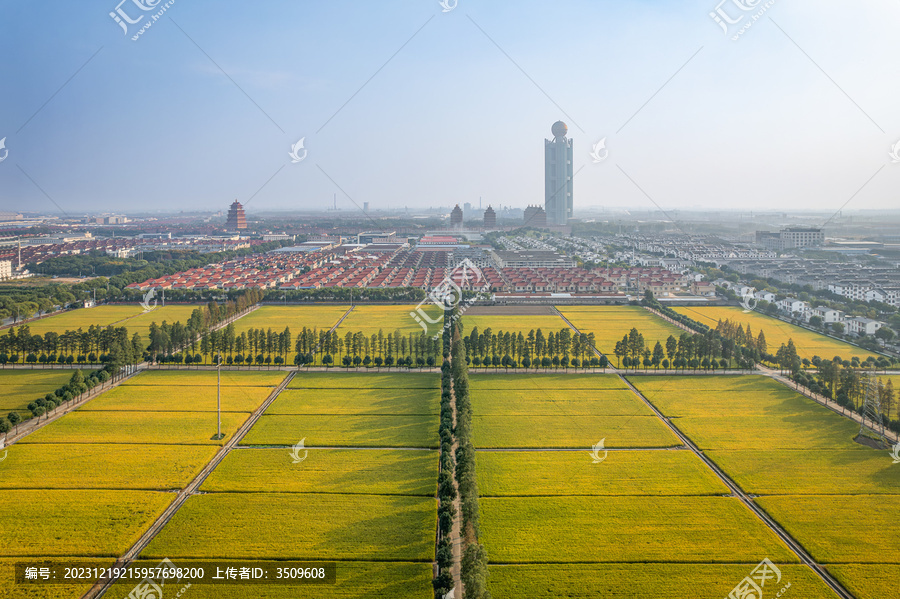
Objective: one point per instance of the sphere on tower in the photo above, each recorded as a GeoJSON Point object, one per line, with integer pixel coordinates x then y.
{"type": "Point", "coordinates": [559, 129]}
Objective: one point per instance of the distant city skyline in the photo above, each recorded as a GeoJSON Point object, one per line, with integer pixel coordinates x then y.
{"type": "Point", "coordinates": [280, 106]}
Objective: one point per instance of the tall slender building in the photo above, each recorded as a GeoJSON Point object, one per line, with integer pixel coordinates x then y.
{"type": "Point", "coordinates": [558, 176]}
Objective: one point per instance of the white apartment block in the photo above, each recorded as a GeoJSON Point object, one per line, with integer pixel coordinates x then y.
{"type": "Point", "coordinates": [827, 315]}
{"type": "Point", "coordinates": [792, 305]}
{"type": "Point", "coordinates": [5, 269]}
{"type": "Point", "coordinates": [862, 326]}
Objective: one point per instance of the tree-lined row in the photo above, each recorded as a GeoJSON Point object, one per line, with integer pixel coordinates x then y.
{"type": "Point", "coordinates": [330, 347]}
{"type": "Point", "coordinates": [534, 345]}
{"type": "Point", "coordinates": [447, 492]}
{"type": "Point", "coordinates": [848, 387]}
{"type": "Point", "coordinates": [94, 346]}
{"type": "Point", "coordinates": [698, 350]}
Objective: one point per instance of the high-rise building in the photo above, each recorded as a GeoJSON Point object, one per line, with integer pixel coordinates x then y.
{"type": "Point", "coordinates": [456, 217]}
{"type": "Point", "coordinates": [535, 217]}
{"type": "Point", "coordinates": [236, 218]}
{"type": "Point", "coordinates": [558, 174]}
{"type": "Point", "coordinates": [467, 208]}
{"type": "Point", "coordinates": [490, 218]}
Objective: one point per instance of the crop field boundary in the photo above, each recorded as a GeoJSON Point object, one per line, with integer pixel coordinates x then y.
{"type": "Point", "coordinates": [104, 584]}
{"type": "Point", "coordinates": [671, 321]}
{"type": "Point", "coordinates": [792, 544]}
{"type": "Point", "coordinates": [34, 424]}
{"type": "Point", "coordinates": [824, 401]}
{"type": "Point", "coordinates": [574, 328]}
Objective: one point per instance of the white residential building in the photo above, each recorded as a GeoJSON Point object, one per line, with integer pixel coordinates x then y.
{"type": "Point", "coordinates": [862, 326]}
{"type": "Point", "coordinates": [827, 315]}
{"type": "Point", "coordinates": [767, 296]}
{"type": "Point", "coordinates": [792, 305]}
{"type": "Point", "coordinates": [5, 269]}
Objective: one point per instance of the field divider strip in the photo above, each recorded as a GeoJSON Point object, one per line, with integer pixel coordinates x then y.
{"type": "Point", "coordinates": [104, 584]}
{"type": "Point", "coordinates": [33, 424]}
{"type": "Point", "coordinates": [610, 367]}
{"type": "Point", "coordinates": [791, 543]}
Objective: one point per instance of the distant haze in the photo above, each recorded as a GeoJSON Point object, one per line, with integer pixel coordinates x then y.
{"type": "Point", "coordinates": [753, 124]}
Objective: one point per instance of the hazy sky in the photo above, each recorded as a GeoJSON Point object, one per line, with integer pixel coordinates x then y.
{"type": "Point", "coordinates": [402, 104]}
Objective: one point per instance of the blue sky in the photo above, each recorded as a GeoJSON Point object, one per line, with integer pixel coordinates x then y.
{"type": "Point", "coordinates": [759, 123]}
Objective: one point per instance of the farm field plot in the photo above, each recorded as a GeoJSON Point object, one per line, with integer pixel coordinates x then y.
{"type": "Point", "coordinates": [570, 431]}
{"type": "Point", "coordinates": [808, 343]}
{"type": "Point", "coordinates": [350, 471]}
{"type": "Point", "coordinates": [83, 318]}
{"type": "Point", "coordinates": [191, 378]}
{"type": "Point", "coordinates": [355, 579]}
{"type": "Point", "coordinates": [831, 471]}
{"type": "Point", "coordinates": [746, 412]}
{"type": "Point", "coordinates": [364, 380]}
{"type": "Point", "coordinates": [626, 529]}
{"type": "Point", "coordinates": [582, 382]}
{"type": "Point", "coordinates": [357, 401]}
{"type": "Point", "coordinates": [75, 522]}
{"type": "Point", "coordinates": [18, 388]}
{"type": "Point", "coordinates": [189, 428]}
{"type": "Point", "coordinates": [299, 526]}
{"type": "Point", "coordinates": [89, 466]}
{"type": "Point", "coordinates": [867, 580]}
{"type": "Point", "coordinates": [153, 398]}
{"type": "Point", "coordinates": [293, 317]}
{"type": "Point", "coordinates": [572, 473]}
{"type": "Point", "coordinates": [141, 322]}
{"type": "Point", "coordinates": [345, 431]}
{"type": "Point", "coordinates": [567, 402]}
{"type": "Point", "coordinates": [842, 528]}
{"type": "Point", "coordinates": [371, 319]}
{"type": "Point", "coordinates": [660, 581]}
{"type": "Point", "coordinates": [744, 395]}
{"type": "Point", "coordinates": [610, 323]}
{"type": "Point", "coordinates": [811, 430]}
{"type": "Point", "coordinates": [514, 324]}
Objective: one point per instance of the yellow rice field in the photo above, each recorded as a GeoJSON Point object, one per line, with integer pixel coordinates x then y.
{"type": "Point", "coordinates": [610, 323]}
{"type": "Point", "coordinates": [808, 343]}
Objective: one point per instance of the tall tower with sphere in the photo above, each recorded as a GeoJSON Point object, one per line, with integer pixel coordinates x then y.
{"type": "Point", "coordinates": [558, 174]}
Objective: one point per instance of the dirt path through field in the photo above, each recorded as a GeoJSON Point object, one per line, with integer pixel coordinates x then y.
{"type": "Point", "coordinates": [737, 492]}
{"type": "Point", "coordinates": [104, 584]}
